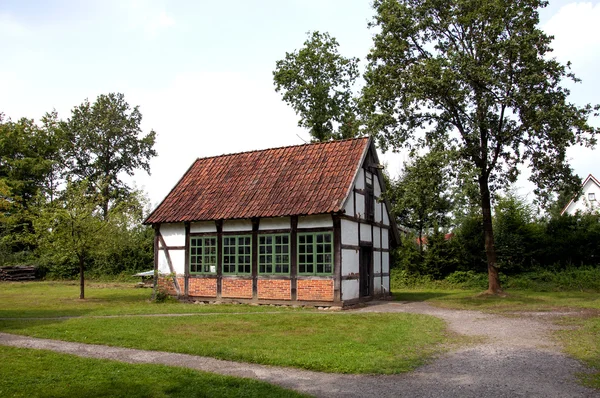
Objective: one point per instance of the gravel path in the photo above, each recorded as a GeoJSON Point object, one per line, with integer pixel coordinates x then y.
{"type": "Point", "coordinates": [516, 359]}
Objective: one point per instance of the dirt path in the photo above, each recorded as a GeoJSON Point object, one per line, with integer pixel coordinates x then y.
{"type": "Point", "coordinates": [516, 359]}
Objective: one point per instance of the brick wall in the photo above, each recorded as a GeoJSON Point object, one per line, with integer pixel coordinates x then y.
{"type": "Point", "coordinates": [236, 288]}
{"type": "Point", "coordinates": [167, 284]}
{"type": "Point", "coordinates": [273, 289]}
{"type": "Point", "coordinates": [203, 287]}
{"type": "Point", "coordinates": [315, 290]}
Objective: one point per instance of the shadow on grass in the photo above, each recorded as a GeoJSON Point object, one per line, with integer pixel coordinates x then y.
{"type": "Point", "coordinates": [418, 296]}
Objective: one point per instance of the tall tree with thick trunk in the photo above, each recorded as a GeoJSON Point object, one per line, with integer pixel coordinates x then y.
{"type": "Point", "coordinates": [478, 77]}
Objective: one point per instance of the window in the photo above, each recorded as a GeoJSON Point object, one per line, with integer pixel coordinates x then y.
{"type": "Point", "coordinates": [591, 196]}
{"type": "Point", "coordinates": [237, 254]}
{"type": "Point", "coordinates": [274, 254]}
{"type": "Point", "coordinates": [369, 197]}
{"type": "Point", "coordinates": [315, 253]}
{"type": "Point", "coordinates": [203, 254]}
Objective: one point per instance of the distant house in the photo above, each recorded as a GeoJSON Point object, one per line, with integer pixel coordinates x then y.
{"type": "Point", "coordinates": [588, 200]}
{"type": "Point", "coordinates": [302, 224]}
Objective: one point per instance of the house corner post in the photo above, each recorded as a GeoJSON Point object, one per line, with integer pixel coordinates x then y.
{"type": "Point", "coordinates": [219, 225]}
{"type": "Point", "coordinates": [255, 225]}
{"type": "Point", "coordinates": [156, 228]}
{"type": "Point", "coordinates": [186, 262]}
{"type": "Point", "coordinates": [294, 259]}
{"type": "Point", "coordinates": [337, 258]}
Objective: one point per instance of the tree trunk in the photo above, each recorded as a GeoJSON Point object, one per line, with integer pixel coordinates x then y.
{"type": "Point", "coordinates": [81, 279]}
{"type": "Point", "coordinates": [490, 251]}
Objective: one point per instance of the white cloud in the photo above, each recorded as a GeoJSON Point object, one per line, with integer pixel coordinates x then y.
{"type": "Point", "coordinates": [10, 28]}
{"type": "Point", "coordinates": [149, 16]}
{"type": "Point", "coordinates": [576, 33]}
{"type": "Point", "coordinates": [208, 114]}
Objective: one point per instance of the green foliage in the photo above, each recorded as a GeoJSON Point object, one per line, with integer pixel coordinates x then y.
{"type": "Point", "coordinates": [316, 82]}
{"type": "Point", "coordinates": [420, 197]}
{"type": "Point", "coordinates": [475, 77]}
{"type": "Point", "coordinates": [105, 142]}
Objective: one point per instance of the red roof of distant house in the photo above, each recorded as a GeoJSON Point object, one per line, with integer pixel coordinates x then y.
{"type": "Point", "coordinates": [424, 240]}
{"type": "Point", "coordinates": [296, 180]}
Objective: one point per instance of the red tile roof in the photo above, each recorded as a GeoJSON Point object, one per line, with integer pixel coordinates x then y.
{"type": "Point", "coordinates": [296, 180]}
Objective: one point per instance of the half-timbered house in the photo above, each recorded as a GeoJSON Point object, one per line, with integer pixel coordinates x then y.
{"type": "Point", "coordinates": [303, 224]}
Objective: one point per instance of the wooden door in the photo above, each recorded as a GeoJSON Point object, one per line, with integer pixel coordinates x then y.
{"type": "Point", "coordinates": [366, 267]}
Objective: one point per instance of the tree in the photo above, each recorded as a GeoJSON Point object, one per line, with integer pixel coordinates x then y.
{"type": "Point", "coordinates": [316, 82]}
{"type": "Point", "coordinates": [70, 229]}
{"type": "Point", "coordinates": [476, 76]}
{"type": "Point", "coordinates": [106, 141]}
{"type": "Point", "coordinates": [25, 163]}
{"type": "Point", "coordinates": [420, 198]}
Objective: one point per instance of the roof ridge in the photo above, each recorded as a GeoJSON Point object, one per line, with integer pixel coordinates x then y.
{"type": "Point", "coordinates": [283, 147]}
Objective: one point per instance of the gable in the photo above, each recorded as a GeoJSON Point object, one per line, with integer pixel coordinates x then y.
{"type": "Point", "coordinates": [297, 180]}
{"type": "Point", "coordinates": [584, 202]}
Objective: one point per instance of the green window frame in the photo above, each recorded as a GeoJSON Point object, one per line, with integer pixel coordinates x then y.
{"type": "Point", "coordinates": [274, 254]}
{"type": "Point", "coordinates": [203, 255]}
{"type": "Point", "coordinates": [315, 253]}
{"type": "Point", "coordinates": [237, 254]}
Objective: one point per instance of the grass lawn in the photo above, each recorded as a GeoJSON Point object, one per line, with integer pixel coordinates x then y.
{"type": "Point", "coordinates": [36, 373]}
{"type": "Point", "coordinates": [343, 343]}
{"type": "Point", "coordinates": [57, 299]}
{"type": "Point", "coordinates": [582, 341]}
{"type": "Point", "coordinates": [309, 339]}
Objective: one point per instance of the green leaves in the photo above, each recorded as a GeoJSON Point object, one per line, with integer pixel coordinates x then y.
{"type": "Point", "coordinates": [316, 81]}
{"type": "Point", "coordinates": [106, 140]}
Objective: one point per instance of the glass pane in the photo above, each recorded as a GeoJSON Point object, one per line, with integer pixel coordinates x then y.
{"type": "Point", "coordinates": [328, 238]}
{"type": "Point", "coordinates": [328, 269]}
{"type": "Point", "coordinates": [319, 268]}
{"type": "Point", "coordinates": [262, 239]}
{"type": "Point", "coordinates": [319, 238]}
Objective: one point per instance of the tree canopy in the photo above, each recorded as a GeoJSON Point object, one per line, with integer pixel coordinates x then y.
{"type": "Point", "coordinates": [105, 141]}
{"type": "Point", "coordinates": [316, 82]}
{"type": "Point", "coordinates": [476, 77]}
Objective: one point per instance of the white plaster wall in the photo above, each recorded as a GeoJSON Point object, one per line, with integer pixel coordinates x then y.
{"type": "Point", "coordinates": [173, 234]}
{"type": "Point", "coordinates": [350, 261]}
{"type": "Point", "coordinates": [177, 259]}
{"type": "Point", "coordinates": [349, 205]}
{"type": "Point", "coordinates": [376, 186]}
{"type": "Point", "coordinates": [237, 225]}
{"type": "Point", "coordinates": [385, 264]}
{"type": "Point", "coordinates": [360, 205]}
{"type": "Point", "coordinates": [385, 242]}
{"type": "Point", "coordinates": [377, 262]}
{"type": "Point", "coordinates": [274, 223]}
{"type": "Point", "coordinates": [378, 213]}
{"type": "Point", "coordinates": [319, 221]}
{"type": "Point", "coordinates": [386, 284]}
{"type": "Point", "coordinates": [359, 183]}
{"type": "Point", "coordinates": [377, 285]}
{"type": "Point", "coordinates": [376, 237]}
{"type": "Point", "coordinates": [349, 232]}
{"type": "Point", "coordinates": [385, 219]}
{"type": "Point", "coordinates": [365, 233]}
{"type": "Point", "coordinates": [204, 226]}
{"type": "Point", "coordinates": [583, 204]}
{"type": "Point", "coordinates": [350, 289]}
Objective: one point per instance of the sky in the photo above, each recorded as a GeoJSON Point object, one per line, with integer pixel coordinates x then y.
{"type": "Point", "coordinates": [201, 71]}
